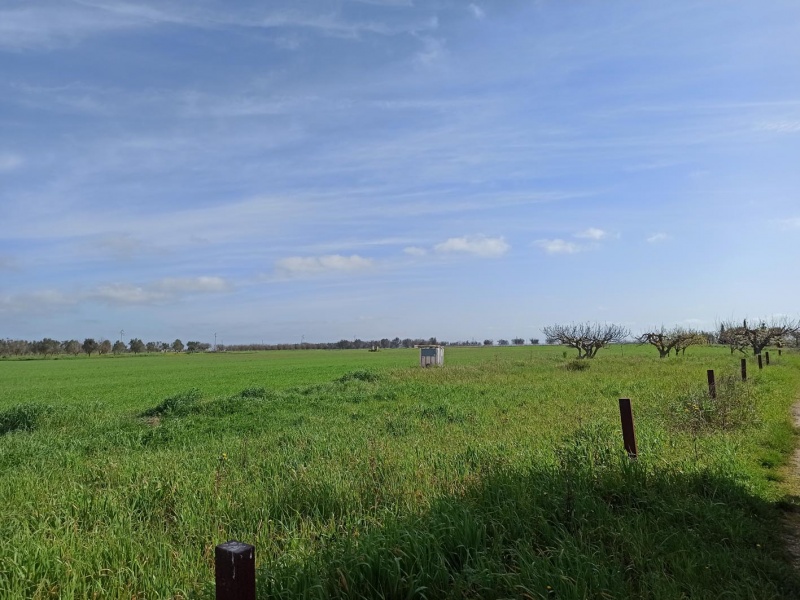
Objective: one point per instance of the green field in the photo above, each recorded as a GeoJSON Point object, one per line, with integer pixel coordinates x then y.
{"type": "Point", "coordinates": [360, 475]}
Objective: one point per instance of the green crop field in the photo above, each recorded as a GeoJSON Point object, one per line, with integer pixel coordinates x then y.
{"type": "Point", "coordinates": [360, 475]}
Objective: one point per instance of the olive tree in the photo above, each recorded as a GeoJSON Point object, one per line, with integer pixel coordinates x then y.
{"type": "Point", "coordinates": [586, 338]}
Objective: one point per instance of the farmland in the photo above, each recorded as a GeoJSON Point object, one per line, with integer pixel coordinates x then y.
{"type": "Point", "coordinates": [358, 474]}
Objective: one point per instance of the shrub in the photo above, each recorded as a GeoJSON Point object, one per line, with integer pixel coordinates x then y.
{"type": "Point", "coordinates": [22, 417]}
{"type": "Point", "coordinates": [359, 375]}
{"type": "Point", "coordinates": [177, 405]}
{"type": "Point", "coordinates": [734, 407]}
{"type": "Point", "coordinates": [576, 365]}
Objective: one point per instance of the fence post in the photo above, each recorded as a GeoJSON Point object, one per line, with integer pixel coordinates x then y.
{"type": "Point", "coordinates": [235, 564]}
{"type": "Point", "coordinates": [760, 364]}
{"type": "Point", "coordinates": [744, 369]}
{"type": "Point", "coordinates": [628, 432]}
{"type": "Point", "coordinates": [767, 356]}
{"type": "Point", "coordinates": [712, 385]}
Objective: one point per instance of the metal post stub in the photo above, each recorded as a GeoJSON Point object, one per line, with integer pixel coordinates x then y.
{"type": "Point", "coordinates": [235, 564]}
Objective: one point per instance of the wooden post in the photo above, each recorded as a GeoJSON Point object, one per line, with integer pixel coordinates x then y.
{"type": "Point", "coordinates": [760, 364]}
{"type": "Point", "coordinates": [712, 385]}
{"type": "Point", "coordinates": [628, 431]}
{"type": "Point", "coordinates": [779, 351]}
{"type": "Point", "coordinates": [744, 369]}
{"type": "Point", "coordinates": [766, 354]}
{"type": "Point", "coordinates": [235, 564]}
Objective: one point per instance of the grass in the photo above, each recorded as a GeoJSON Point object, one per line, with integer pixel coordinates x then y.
{"type": "Point", "coordinates": [359, 474]}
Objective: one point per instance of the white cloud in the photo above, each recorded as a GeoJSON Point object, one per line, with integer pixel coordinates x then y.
{"type": "Point", "coordinates": [330, 263]}
{"type": "Point", "coordinates": [792, 223]}
{"type": "Point", "coordinates": [478, 245]}
{"type": "Point", "coordinates": [183, 285]}
{"type": "Point", "coordinates": [9, 162]}
{"type": "Point", "coordinates": [36, 302]}
{"type": "Point", "coordinates": [657, 237]}
{"type": "Point", "coordinates": [780, 126]}
{"type": "Point", "coordinates": [592, 233]}
{"type": "Point", "coordinates": [558, 246]}
{"type": "Point", "coordinates": [415, 251]}
{"type": "Point", "coordinates": [160, 291]}
{"type": "Point", "coordinates": [477, 11]}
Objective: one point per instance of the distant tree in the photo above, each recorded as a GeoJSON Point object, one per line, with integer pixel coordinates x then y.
{"type": "Point", "coordinates": [164, 346]}
{"type": "Point", "coordinates": [666, 340]}
{"type": "Point", "coordinates": [586, 338]}
{"type": "Point", "coordinates": [396, 342]}
{"type": "Point", "coordinates": [47, 347]}
{"type": "Point", "coordinates": [72, 347]}
{"type": "Point", "coordinates": [152, 346]}
{"type": "Point", "coordinates": [192, 346]}
{"type": "Point", "coordinates": [766, 333]}
{"type": "Point", "coordinates": [518, 341]}
{"type": "Point", "coordinates": [177, 346]}
{"type": "Point", "coordinates": [119, 347]}
{"type": "Point", "coordinates": [488, 342]}
{"type": "Point", "coordinates": [502, 342]}
{"type": "Point", "coordinates": [688, 337]}
{"type": "Point", "coordinates": [89, 346]}
{"type": "Point", "coordinates": [105, 347]}
{"type": "Point", "coordinates": [535, 341]}
{"type": "Point", "coordinates": [136, 345]}
{"type": "Point", "coordinates": [733, 337]}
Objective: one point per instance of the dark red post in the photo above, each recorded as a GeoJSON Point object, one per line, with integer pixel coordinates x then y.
{"type": "Point", "coordinates": [767, 356]}
{"type": "Point", "coordinates": [744, 369]}
{"type": "Point", "coordinates": [235, 564]}
{"type": "Point", "coordinates": [760, 364]}
{"type": "Point", "coordinates": [712, 385]}
{"type": "Point", "coordinates": [628, 432]}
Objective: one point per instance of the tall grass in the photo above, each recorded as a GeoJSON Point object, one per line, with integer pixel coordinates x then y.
{"type": "Point", "coordinates": [499, 475]}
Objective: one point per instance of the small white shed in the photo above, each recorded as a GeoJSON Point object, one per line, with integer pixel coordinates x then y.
{"type": "Point", "coordinates": [431, 355]}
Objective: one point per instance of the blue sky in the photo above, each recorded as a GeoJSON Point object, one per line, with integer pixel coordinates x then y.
{"type": "Point", "coordinates": [378, 168]}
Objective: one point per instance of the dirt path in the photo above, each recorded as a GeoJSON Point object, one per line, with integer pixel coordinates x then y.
{"type": "Point", "coordinates": [792, 517]}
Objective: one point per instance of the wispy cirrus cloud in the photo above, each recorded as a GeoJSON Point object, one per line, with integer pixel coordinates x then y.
{"type": "Point", "coordinates": [791, 223]}
{"type": "Point", "coordinates": [415, 251]}
{"type": "Point", "coordinates": [593, 233]}
{"type": "Point", "coordinates": [9, 162]}
{"type": "Point", "coordinates": [657, 238]}
{"type": "Point", "coordinates": [156, 292]}
{"type": "Point", "coordinates": [558, 246]}
{"type": "Point", "coordinates": [318, 265]}
{"type": "Point", "coordinates": [478, 245]}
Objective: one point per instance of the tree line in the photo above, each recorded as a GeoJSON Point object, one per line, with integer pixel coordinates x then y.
{"type": "Point", "coordinates": [50, 347]}
{"type": "Point", "coordinates": [587, 338]}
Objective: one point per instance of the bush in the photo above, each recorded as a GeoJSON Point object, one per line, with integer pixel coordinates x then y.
{"type": "Point", "coordinates": [576, 365]}
{"type": "Point", "coordinates": [360, 375]}
{"type": "Point", "coordinates": [734, 407]}
{"type": "Point", "coordinates": [177, 405]}
{"type": "Point", "coordinates": [22, 417]}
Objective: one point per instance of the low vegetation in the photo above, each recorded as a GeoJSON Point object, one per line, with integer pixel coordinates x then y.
{"type": "Point", "coordinates": [358, 474]}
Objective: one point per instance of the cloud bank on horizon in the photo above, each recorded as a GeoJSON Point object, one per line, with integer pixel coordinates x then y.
{"type": "Point", "coordinates": [388, 168]}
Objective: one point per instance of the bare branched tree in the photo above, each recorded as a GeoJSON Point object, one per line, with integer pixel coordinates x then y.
{"type": "Point", "coordinates": [759, 335]}
{"type": "Point", "coordinates": [732, 335]}
{"type": "Point", "coordinates": [586, 338]}
{"type": "Point", "coordinates": [663, 339]}
{"type": "Point", "coordinates": [677, 339]}
{"type": "Point", "coordinates": [686, 338]}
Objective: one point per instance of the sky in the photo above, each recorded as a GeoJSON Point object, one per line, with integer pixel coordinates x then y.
{"type": "Point", "coordinates": [281, 170]}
